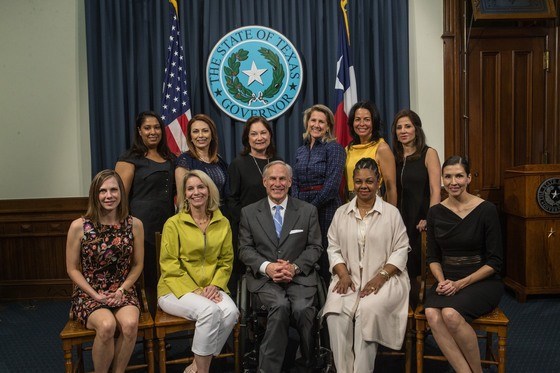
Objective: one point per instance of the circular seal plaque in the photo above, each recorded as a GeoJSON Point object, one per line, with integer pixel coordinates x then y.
{"type": "Point", "coordinates": [548, 195]}
{"type": "Point", "coordinates": [254, 70]}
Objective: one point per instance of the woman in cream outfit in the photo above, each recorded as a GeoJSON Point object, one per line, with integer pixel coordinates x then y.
{"type": "Point", "coordinates": [367, 302]}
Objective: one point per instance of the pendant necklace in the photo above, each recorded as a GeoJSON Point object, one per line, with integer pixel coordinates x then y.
{"type": "Point", "coordinates": [256, 164]}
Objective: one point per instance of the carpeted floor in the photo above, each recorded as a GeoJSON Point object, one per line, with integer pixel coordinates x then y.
{"type": "Point", "coordinates": [29, 339]}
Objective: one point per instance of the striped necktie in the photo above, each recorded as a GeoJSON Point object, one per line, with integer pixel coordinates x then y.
{"type": "Point", "coordinates": [278, 219]}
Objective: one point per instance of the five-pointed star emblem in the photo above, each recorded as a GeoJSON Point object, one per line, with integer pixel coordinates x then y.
{"type": "Point", "coordinates": [254, 74]}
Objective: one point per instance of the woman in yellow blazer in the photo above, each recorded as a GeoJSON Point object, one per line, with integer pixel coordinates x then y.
{"type": "Point", "coordinates": [196, 261]}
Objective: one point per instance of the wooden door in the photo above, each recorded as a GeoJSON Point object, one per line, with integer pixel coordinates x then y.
{"type": "Point", "coordinates": [506, 108]}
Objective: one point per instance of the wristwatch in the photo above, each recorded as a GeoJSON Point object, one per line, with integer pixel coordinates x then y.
{"type": "Point", "coordinates": [297, 271]}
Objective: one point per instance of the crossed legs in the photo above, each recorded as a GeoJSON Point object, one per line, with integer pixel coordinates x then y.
{"type": "Point", "coordinates": [456, 339]}
{"type": "Point", "coordinates": [105, 350]}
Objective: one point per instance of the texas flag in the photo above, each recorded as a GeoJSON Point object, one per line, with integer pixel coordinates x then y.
{"type": "Point", "coordinates": [345, 85]}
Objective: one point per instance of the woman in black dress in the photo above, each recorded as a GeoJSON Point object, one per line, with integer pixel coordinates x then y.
{"type": "Point", "coordinates": [245, 171]}
{"type": "Point", "coordinates": [246, 179]}
{"type": "Point", "coordinates": [147, 171]}
{"type": "Point", "coordinates": [465, 257]}
{"type": "Point", "coordinates": [418, 185]}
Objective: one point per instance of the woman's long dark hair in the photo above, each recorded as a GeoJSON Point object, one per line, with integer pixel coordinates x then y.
{"type": "Point", "coordinates": [138, 148]}
{"type": "Point", "coordinates": [419, 137]}
{"type": "Point", "coordinates": [213, 147]}
{"type": "Point", "coordinates": [271, 150]}
{"type": "Point", "coordinates": [375, 121]}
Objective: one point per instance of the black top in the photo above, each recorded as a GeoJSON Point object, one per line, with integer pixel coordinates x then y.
{"type": "Point", "coordinates": [478, 233]}
{"type": "Point", "coordinates": [152, 193]}
{"type": "Point", "coordinates": [151, 199]}
{"type": "Point", "coordinates": [413, 202]}
{"type": "Point", "coordinates": [246, 184]}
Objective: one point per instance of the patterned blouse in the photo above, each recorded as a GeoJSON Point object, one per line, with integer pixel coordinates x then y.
{"type": "Point", "coordinates": [217, 171]}
{"type": "Point", "coordinates": [106, 258]}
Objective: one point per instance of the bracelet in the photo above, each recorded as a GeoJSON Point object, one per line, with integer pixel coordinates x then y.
{"type": "Point", "coordinates": [385, 274]}
{"type": "Point", "coordinates": [122, 290]}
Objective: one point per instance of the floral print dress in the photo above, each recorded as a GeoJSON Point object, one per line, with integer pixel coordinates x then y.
{"type": "Point", "coordinates": [106, 257]}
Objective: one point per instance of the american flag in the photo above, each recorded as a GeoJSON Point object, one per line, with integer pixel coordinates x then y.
{"type": "Point", "coordinates": [345, 85]}
{"type": "Point", "coordinates": [176, 103]}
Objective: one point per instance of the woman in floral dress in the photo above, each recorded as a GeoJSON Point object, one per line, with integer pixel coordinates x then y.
{"type": "Point", "coordinates": [104, 258]}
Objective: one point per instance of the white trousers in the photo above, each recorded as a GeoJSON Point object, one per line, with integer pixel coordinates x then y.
{"type": "Point", "coordinates": [343, 331]}
{"type": "Point", "coordinates": [214, 321]}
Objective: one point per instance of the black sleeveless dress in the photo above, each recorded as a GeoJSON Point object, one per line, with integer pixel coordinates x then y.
{"type": "Point", "coordinates": [413, 202]}
{"type": "Point", "coordinates": [151, 200]}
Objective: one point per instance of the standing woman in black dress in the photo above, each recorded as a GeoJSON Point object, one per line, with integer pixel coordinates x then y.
{"type": "Point", "coordinates": [418, 184]}
{"type": "Point", "coordinates": [245, 171]}
{"type": "Point", "coordinates": [465, 257]}
{"type": "Point", "coordinates": [147, 170]}
{"type": "Point", "coordinates": [245, 177]}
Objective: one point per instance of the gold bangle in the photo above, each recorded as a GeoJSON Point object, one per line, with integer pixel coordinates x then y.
{"type": "Point", "coordinates": [385, 274]}
{"type": "Point", "coordinates": [122, 290]}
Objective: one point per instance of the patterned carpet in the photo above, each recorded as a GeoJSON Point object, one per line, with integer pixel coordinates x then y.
{"type": "Point", "coordinates": [29, 339]}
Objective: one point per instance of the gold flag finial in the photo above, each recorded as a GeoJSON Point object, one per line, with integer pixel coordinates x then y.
{"type": "Point", "coordinates": [344, 8]}
{"type": "Point", "coordinates": [174, 3]}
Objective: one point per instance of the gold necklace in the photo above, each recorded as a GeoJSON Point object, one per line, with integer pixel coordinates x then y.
{"type": "Point", "coordinates": [201, 222]}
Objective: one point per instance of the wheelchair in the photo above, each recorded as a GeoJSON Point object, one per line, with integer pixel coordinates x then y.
{"type": "Point", "coordinates": [253, 326]}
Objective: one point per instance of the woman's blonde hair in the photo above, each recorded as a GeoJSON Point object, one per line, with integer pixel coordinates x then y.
{"type": "Point", "coordinates": [329, 135]}
{"type": "Point", "coordinates": [213, 203]}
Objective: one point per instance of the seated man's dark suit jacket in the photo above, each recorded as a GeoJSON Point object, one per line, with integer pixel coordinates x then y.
{"type": "Point", "coordinates": [299, 243]}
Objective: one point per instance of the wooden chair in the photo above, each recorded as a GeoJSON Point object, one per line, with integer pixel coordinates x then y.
{"type": "Point", "coordinates": [166, 324]}
{"type": "Point", "coordinates": [494, 322]}
{"type": "Point", "coordinates": [75, 334]}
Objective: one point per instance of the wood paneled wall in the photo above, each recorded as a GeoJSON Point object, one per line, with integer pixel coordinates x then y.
{"type": "Point", "coordinates": [32, 247]}
{"type": "Point", "coordinates": [501, 94]}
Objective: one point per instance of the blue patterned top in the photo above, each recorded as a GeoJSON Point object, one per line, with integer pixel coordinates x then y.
{"type": "Point", "coordinates": [321, 167]}
{"type": "Point", "coordinates": [217, 171]}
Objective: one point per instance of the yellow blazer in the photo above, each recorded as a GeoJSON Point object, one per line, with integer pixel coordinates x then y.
{"type": "Point", "coordinates": [191, 259]}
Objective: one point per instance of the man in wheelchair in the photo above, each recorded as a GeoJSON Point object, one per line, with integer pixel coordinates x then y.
{"type": "Point", "coordinates": [280, 241]}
